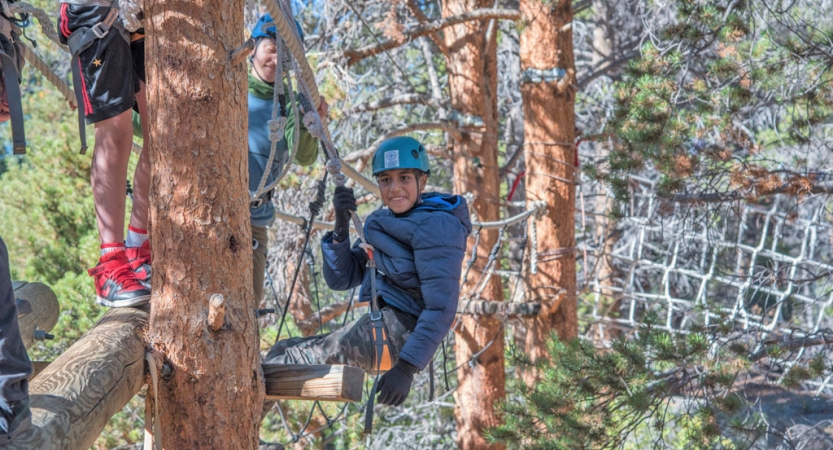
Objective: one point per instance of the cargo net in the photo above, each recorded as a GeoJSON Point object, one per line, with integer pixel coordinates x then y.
{"type": "Point", "coordinates": [762, 266]}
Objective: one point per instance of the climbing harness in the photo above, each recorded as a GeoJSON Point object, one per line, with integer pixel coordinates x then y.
{"type": "Point", "coordinates": [80, 40]}
{"type": "Point", "coordinates": [382, 359]}
{"type": "Point", "coordinates": [10, 58]}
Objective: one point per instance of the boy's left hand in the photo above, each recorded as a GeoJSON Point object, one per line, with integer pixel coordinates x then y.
{"type": "Point", "coordinates": [395, 384]}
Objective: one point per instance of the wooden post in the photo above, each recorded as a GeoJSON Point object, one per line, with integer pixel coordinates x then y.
{"type": "Point", "coordinates": [75, 396]}
{"type": "Point", "coordinates": [550, 156]}
{"type": "Point", "coordinates": [472, 85]}
{"type": "Point", "coordinates": [200, 227]}
{"type": "Point", "coordinates": [37, 310]}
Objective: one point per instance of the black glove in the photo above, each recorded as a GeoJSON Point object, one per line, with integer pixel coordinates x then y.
{"type": "Point", "coordinates": [344, 203]}
{"type": "Point", "coordinates": [395, 384]}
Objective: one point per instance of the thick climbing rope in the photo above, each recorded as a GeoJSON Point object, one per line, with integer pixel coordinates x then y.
{"type": "Point", "coordinates": [47, 72]}
{"type": "Point", "coordinates": [289, 33]}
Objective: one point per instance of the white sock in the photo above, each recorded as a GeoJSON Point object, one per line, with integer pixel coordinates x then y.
{"type": "Point", "coordinates": [136, 237]}
{"type": "Point", "coordinates": [107, 248]}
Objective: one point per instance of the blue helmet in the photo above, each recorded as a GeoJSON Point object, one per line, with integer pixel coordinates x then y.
{"type": "Point", "coordinates": [401, 152]}
{"type": "Point", "coordinates": [265, 27]}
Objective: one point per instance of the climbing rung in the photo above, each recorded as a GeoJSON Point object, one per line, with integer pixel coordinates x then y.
{"type": "Point", "coordinates": [486, 307]}
{"type": "Point", "coordinates": [334, 383]}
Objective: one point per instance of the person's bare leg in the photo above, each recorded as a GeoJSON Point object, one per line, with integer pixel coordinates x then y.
{"type": "Point", "coordinates": [141, 178]}
{"type": "Point", "coordinates": [109, 175]}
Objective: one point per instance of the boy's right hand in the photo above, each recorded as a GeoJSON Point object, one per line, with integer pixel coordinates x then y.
{"type": "Point", "coordinates": [344, 203]}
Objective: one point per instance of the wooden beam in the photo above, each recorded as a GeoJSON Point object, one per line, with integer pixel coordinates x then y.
{"type": "Point", "coordinates": [77, 394]}
{"type": "Point", "coordinates": [37, 310]}
{"type": "Point", "coordinates": [511, 309]}
{"type": "Point", "coordinates": [334, 383]}
{"type": "Point", "coordinates": [38, 367]}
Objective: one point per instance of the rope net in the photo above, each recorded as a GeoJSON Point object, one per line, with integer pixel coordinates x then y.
{"type": "Point", "coordinates": [763, 265]}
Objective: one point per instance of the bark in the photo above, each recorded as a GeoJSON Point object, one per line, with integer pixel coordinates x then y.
{"type": "Point", "coordinates": [200, 231]}
{"type": "Point", "coordinates": [549, 134]}
{"type": "Point", "coordinates": [472, 75]}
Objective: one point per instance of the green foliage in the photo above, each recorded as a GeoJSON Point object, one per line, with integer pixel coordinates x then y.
{"type": "Point", "coordinates": [694, 100]}
{"type": "Point", "coordinates": [607, 398]}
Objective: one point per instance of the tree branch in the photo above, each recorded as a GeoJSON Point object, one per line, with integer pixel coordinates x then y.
{"type": "Point", "coordinates": [402, 99]}
{"type": "Point", "coordinates": [423, 19]}
{"type": "Point", "coordinates": [425, 126]}
{"type": "Point", "coordinates": [354, 56]}
{"type": "Point", "coordinates": [585, 79]}
{"type": "Point", "coordinates": [789, 345]}
{"type": "Point", "coordinates": [721, 197]}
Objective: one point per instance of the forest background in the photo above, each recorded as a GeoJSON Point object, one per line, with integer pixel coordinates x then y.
{"type": "Point", "coordinates": [691, 117]}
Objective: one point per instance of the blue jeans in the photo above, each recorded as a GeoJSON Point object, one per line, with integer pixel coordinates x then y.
{"type": "Point", "coordinates": [15, 366]}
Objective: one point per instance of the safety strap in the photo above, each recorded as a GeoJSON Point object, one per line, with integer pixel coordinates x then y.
{"type": "Point", "coordinates": [153, 440]}
{"type": "Point", "coordinates": [80, 40]}
{"type": "Point", "coordinates": [11, 75]}
{"type": "Point", "coordinates": [381, 358]}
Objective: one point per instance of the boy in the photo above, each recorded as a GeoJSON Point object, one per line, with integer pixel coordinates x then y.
{"type": "Point", "coordinates": [419, 241]}
{"type": "Point", "coordinates": [109, 77]}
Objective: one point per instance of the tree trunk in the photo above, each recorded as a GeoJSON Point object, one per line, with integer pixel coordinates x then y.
{"type": "Point", "coordinates": [549, 136]}
{"type": "Point", "coordinates": [472, 77]}
{"type": "Point", "coordinates": [201, 237]}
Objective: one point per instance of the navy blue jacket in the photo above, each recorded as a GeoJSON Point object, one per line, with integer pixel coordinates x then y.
{"type": "Point", "coordinates": [419, 259]}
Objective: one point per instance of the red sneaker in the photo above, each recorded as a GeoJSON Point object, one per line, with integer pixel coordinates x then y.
{"type": "Point", "coordinates": [139, 259]}
{"type": "Point", "coordinates": [115, 284]}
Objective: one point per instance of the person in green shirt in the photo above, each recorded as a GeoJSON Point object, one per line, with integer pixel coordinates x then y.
{"type": "Point", "coordinates": [261, 88]}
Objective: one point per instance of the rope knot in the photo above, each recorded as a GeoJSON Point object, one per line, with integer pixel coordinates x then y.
{"type": "Point", "coordinates": [276, 129]}
{"type": "Point", "coordinates": [313, 124]}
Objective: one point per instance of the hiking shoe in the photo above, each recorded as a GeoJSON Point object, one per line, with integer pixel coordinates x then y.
{"type": "Point", "coordinates": [14, 424]}
{"type": "Point", "coordinates": [116, 285]}
{"type": "Point", "coordinates": [139, 259]}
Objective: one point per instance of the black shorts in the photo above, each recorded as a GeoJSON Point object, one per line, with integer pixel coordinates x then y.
{"type": "Point", "coordinates": [111, 68]}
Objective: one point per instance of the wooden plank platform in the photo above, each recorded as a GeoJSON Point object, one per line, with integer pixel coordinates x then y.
{"type": "Point", "coordinates": [37, 309]}
{"type": "Point", "coordinates": [75, 396]}
{"type": "Point", "coordinates": [334, 383]}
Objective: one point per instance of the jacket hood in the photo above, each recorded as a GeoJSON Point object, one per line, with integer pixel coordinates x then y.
{"type": "Point", "coordinates": [453, 204]}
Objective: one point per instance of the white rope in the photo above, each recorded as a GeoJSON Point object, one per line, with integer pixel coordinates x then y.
{"type": "Point", "coordinates": [500, 224]}
{"type": "Point", "coordinates": [306, 82]}
{"type": "Point", "coordinates": [129, 12]}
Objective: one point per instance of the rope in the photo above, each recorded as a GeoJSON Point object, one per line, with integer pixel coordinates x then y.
{"type": "Point", "coordinates": [47, 72]}
{"type": "Point", "coordinates": [152, 415]}
{"type": "Point", "coordinates": [43, 18]}
{"type": "Point", "coordinates": [130, 12]}
{"type": "Point", "coordinates": [477, 226]}
{"type": "Point", "coordinates": [289, 33]}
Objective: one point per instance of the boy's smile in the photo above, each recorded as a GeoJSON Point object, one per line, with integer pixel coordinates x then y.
{"type": "Point", "coordinates": [399, 189]}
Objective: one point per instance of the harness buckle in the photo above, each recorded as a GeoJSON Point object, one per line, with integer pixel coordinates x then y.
{"type": "Point", "coordinates": [98, 31]}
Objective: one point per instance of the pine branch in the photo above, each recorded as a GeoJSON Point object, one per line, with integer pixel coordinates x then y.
{"type": "Point", "coordinates": [354, 56]}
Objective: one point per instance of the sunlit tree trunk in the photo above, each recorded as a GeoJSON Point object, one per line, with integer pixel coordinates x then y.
{"type": "Point", "coordinates": [472, 81]}
{"type": "Point", "coordinates": [211, 390]}
{"type": "Point", "coordinates": [549, 136]}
